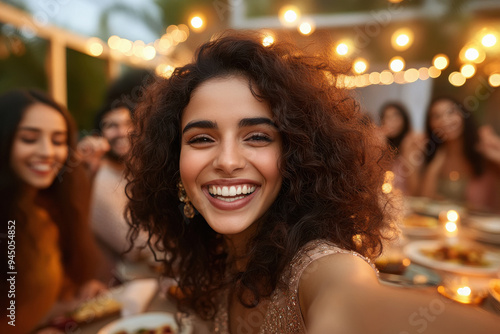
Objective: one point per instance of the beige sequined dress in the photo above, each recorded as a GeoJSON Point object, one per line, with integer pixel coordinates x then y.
{"type": "Point", "coordinates": [283, 315]}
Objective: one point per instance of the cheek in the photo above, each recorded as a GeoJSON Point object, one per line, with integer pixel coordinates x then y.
{"type": "Point", "coordinates": [190, 167]}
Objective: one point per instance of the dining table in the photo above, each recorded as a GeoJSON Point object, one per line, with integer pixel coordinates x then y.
{"type": "Point", "coordinates": [403, 264]}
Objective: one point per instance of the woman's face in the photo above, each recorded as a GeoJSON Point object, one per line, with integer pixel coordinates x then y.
{"type": "Point", "coordinates": [392, 122]}
{"type": "Point", "coordinates": [446, 120]}
{"type": "Point", "coordinates": [40, 146]}
{"type": "Point", "coordinates": [229, 155]}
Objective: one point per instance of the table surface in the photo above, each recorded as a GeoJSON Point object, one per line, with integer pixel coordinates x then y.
{"type": "Point", "coordinates": [160, 303]}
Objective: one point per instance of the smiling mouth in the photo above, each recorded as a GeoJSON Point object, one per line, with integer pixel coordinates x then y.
{"type": "Point", "coordinates": [231, 193]}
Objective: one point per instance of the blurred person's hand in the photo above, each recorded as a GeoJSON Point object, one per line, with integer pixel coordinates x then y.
{"type": "Point", "coordinates": [489, 144]}
{"type": "Point", "coordinates": [91, 289]}
{"type": "Point", "coordinates": [90, 150]}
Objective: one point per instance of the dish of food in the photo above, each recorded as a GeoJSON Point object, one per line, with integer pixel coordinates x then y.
{"type": "Point", "coordinates": [146, 323]}
{"type": "Point", "coordinates": [461, 259]}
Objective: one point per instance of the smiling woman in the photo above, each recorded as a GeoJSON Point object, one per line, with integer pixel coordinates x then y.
{"type": "Point", "coordinates": [44, 192]}
{"type": "Point", "coordinates": [286, 179]}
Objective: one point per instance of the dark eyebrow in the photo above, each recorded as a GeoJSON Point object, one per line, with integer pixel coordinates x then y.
{"type": "Point", "coordinates": [200, 124]}
{"type": "Point", "coordinates": [256, 121]}
{"type": "Point", "coordinates": [27, 128]}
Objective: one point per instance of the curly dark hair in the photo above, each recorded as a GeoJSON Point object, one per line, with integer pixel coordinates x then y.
{"type": "Point", "coordinates": [332, 166]}
{"type": "Point", "coordinates": [470, 134]}
{"type": "Point", "coordinates": [403, 112]}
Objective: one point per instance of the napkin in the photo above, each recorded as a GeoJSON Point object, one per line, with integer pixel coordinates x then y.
{"type": "Point", "coordinates": [136, 295]}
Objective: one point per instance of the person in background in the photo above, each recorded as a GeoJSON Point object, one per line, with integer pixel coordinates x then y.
{"type": "Point", "coordinates": [459, 165]}
{"type": "Point", "coordinates": [395, 125]}
{"type": "Point", "coordinates": [279, 185]}
{"type": "Point", "coordinates": [113, 123]}
{"type": "Point", "coordinates": [45, 199]}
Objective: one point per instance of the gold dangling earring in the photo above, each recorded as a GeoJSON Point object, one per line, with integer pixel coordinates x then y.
{"type": "Point", "coordinates": [183, 197]}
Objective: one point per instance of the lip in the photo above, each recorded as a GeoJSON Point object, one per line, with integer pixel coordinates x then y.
{"type": "Point", "coordinates": [229, 182]}
{"type": "Point", "coordinates": [228, 206]}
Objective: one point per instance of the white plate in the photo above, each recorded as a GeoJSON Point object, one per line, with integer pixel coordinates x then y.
{"type": "Point", "coordinates": [489, 224]}
{"type": "Point", "coordinates": [147, 320]}
{"type": "Point", "coordinates": [413, 251]}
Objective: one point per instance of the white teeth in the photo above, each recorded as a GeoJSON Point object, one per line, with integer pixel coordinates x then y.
{"type": "Point", "coordinates": [41, 168]}
{"type": "Point", "coordinates": [232, 199]}
{"type": "Point", "coordinates": [231, 191]}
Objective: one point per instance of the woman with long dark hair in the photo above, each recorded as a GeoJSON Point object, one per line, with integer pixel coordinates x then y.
{"type": "Point", "coordinates": [454, 168]}
{"type": "Point", "coordinates": [264, 185]}
{"type": "Point", "coordinates": [44, 197]}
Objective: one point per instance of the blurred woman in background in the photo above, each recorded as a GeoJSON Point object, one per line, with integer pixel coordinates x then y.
{"type": "Point", "coordinates": [45, 197]}
{"type": "Point", "coordinates": [395, 126]}
{"type": "Point", "coordinates": [458, 165]}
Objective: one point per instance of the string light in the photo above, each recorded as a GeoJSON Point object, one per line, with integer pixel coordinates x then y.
{"type": "Point", "coordinates": [441, 61]}
{"type": "Point", "coordinates": [289, 15]}
{"type": "Point", "coordinates": [397, 64]}
{"type": "Point", "coordinates": [456, 79]}
{"type": "Point", "coordinates": [402, 39]}
{"type": "Point", "coordinates": [306, 27]}
{"type": "Point", "coordinates": [494, 80]}
{"type": "Point", "coordinates": [468, 70]}
{"type": "Point", "coordinates": [268, 39]}
{"type": "Point", "coordinates": [197, 23]}
{"type": "Point", "coordinates": [360, 66]}
{"type": "Point", "coordinates": [489, 40]}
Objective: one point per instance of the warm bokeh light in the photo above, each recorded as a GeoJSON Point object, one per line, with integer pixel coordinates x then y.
{"type": "Point", "coordinates": [386, 188]}
{"type": "Point", "coordinates": [456, 79]}
{"type": "Point", "coordinates": [306, 28]}
{"type": "Point", "coordinates": [494, 80]}
{"type": "Point", "coordinates": [125, 45]}
{"type": "Point", "coordinates": [411, 75]}
{"type": "Point", "coordinates": [489, 40]}
{"type": "Point", "coordinates": [164, 70]}
{"type": "Point", "coordinates": [114, 42]}
{"type": "Point", "coordinates": [464, 291]}
{"type": "Point", "coordinates": [434, 72]}
{"type": "Point", "coordinates": [386, 77]}
{"type": "Point", "coordinates": [149, 52]}
{"type": "Point", "coordinates": [450, 226]}
{"type": "Point", "coordinates": [342, 49]}
{"type": "Point", "coordinates": [441, 61]}
{"type": "Point", "coordinates": [196, 22]}
{"type": "Point", "coordinates": [471, 54]}
{"type": "Point", "coordinates": [468, 70]}
{"type": "Point", "coordinates": [268, 40]}
{"type": "Point", "coordinates": [397, 64]}
{"type": "Point", "coordinates": [402, 39]}
{"type": "Point", "coordinates": [399, 78]}
{"type": "Point", "coordinates": [289, 15]}
{"type": "Point", "coordinates": [94, 47]}
{"type": "Point", "coordinates": [452, 215]}
{"type": "Point", "coordinates": [138, 48]}
{"type": "Point", "coordinates": [360, 66]}
{"type": "Point", "coordinates": [374, 78]}
{"type": "Point", "coordinates": [423, 73]}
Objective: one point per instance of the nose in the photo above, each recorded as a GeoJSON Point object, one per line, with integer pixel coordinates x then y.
{"type": "Point", "coordinates": [46, 148]}
{"type": "Point", "coordinates": [230, 158]}
{"type": "Point", "coordinates": [123, 130]}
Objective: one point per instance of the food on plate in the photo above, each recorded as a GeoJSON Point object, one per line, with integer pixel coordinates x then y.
{"type": "Point", "coordinates": [165, 329]}
{"type": "Point", "coordinates": [96, 308]}
{"type": "Point", "coordinates": [464, 255]}
{"type": "Point", "coordinates": [415, 220]}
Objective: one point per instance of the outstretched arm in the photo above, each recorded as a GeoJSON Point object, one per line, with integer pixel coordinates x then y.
{"type": "Point", "coordinates": [344, 296]}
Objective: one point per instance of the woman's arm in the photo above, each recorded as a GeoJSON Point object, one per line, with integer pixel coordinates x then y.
{"type": "Point", "coordinates": [344, 296]}
{"type": "Point", "coordinates": [431, 174]}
